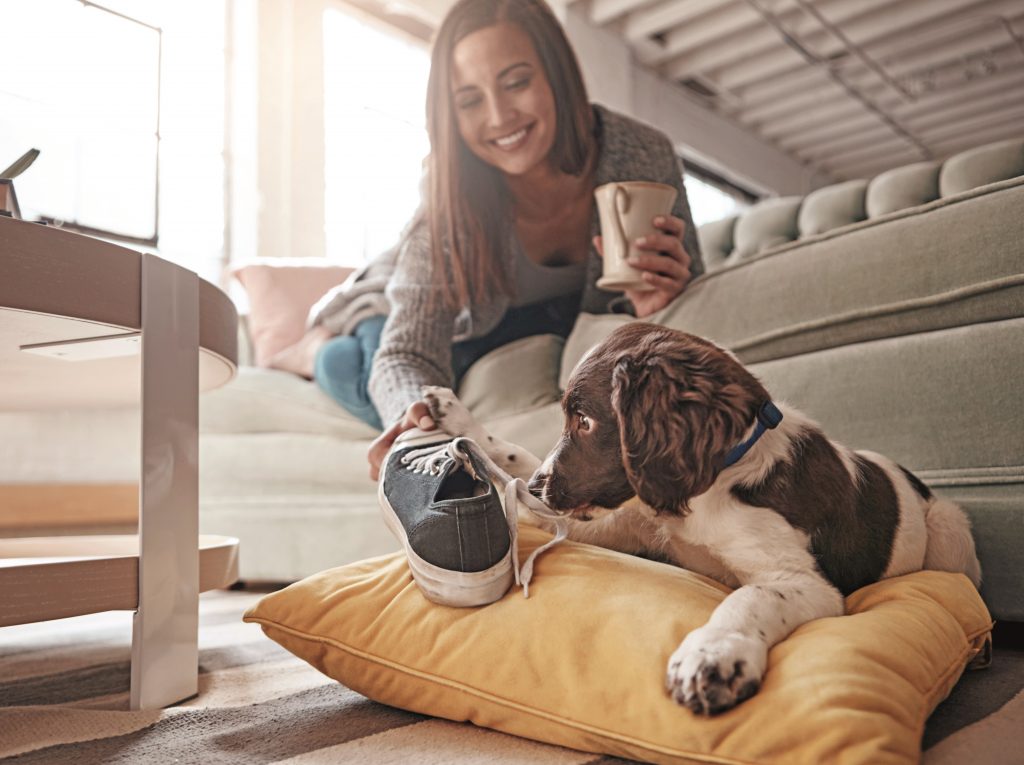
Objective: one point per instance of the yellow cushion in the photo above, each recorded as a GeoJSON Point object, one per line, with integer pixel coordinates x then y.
{"type": "Point", "coordinates": [581, 662]}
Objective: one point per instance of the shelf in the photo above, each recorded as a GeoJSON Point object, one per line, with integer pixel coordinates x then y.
{"type": "Point", "coordinates": [55, 577]}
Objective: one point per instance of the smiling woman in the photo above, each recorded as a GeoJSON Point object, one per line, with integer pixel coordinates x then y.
{"type": "Point", "coordinates": [507, 247]}
{"type": "Point", "coordinates": [505, 244]}
{"type": "Point", "coordinates": [506, 117]}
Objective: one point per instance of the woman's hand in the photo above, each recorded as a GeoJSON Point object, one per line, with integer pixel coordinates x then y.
{"type": "Point", "coordinates": [664, 263]}
{"type": "Point", "coordinates": [416, 416]}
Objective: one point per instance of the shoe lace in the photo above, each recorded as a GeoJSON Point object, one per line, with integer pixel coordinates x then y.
{"type": "Point", "coordinates": [433, 459]}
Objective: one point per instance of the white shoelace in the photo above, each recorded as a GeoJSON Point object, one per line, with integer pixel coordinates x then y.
{"type": "Point", "coordinates": [432, 459]}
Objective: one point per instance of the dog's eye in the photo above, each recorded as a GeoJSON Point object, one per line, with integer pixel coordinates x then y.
{"type": "Point", "coordinates": [583, 421]}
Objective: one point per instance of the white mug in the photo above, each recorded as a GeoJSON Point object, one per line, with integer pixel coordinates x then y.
{"type": "Point", "coordinates": [626, 210]}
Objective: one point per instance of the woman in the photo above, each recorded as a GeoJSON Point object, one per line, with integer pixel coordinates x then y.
{"type": "Point", "coordinates": [505, 246]}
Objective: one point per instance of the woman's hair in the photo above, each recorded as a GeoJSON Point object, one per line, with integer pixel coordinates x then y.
{"type": "Point", "coordinates": [468, 199]}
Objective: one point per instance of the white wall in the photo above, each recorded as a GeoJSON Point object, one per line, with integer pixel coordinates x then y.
{"type": "Point", "coordinates": [290, 119]}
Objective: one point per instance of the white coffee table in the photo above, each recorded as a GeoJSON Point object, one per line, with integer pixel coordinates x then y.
{"type": "Point", "coordinates": [84, 323]}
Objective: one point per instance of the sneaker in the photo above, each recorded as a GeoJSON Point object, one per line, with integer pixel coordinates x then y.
{"type": "Point", "coordinates": [449, 519]}
{"type": "Point", "coordinates": [438, 499]}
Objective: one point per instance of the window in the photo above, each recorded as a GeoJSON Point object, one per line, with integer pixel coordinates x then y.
{"type": "Point", "coordinates": [712, 197]}
{"type": "Point", "coordinates": [86, 84]}
{"type": "Point", "coordinates": [375, 140]}
{"type": "Point", "coordinates": [81, 83]}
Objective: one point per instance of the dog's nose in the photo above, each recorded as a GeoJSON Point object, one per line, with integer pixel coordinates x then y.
{"type": "Point", "coordinates": [537, 483]}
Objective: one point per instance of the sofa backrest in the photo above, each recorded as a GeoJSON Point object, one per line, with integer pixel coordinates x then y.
{"type": "Point", "coordinates": [778, 221]}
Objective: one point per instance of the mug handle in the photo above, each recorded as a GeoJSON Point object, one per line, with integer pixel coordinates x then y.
{"type": "Point", "coordinates": [622, 203]}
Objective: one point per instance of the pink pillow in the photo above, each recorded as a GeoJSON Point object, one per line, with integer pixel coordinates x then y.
{"type": "Point", "coordinates": [281, 291]}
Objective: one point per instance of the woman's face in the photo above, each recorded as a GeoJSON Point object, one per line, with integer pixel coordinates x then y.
{"type": "Point", "coordinates": [503, 101]}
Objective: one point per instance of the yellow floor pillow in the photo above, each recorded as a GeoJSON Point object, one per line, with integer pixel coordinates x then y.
{"type": "Point", "coordinates": [581, 662]}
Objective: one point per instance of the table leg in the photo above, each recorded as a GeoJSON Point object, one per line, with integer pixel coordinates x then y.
{"type": "Point", "coordinates": [165, 655]}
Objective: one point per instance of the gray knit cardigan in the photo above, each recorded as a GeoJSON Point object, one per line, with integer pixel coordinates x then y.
{"type": "Point", "coordinates": [415, 347]}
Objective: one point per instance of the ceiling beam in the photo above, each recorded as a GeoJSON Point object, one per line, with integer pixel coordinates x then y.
{"type": "Point", "coordinates": [665, 16]}
{"type": "Point", "coordinates": [1010, 117]}
{"type": "Point", "coordinates": [861, 28]}
{"type": "Point", "coordinates": [876, 135]}
{"type": "Point", "coordinates": [702, 33]}
{"type": "Point", "coordinates": [868, 131]}
{"type": "Point", "coordinates": [873, 166]}
{"type": "Point", "coordinates": [758, 39]}
{"type": "Point", "coordinates": [943, 135]}
{"type": "Point", "coordinates": [950, 120]}
{"type": "Point", "coordinates": [957, 140]}
{"type": "Point", "coordinates": [771, 93]}
{"type": "Point", "coordinates": [606, 11]}
{"type": "Point", "coordinates": [1008, 89]}
{"type": "Point", "coordinates": [854, 157]}
{"type": "Point", "coordinates": [976, 137]}
{"type": "Point", "coordinates": [827, 108]}
{"type": "Point", "coordinates": [942, 149]}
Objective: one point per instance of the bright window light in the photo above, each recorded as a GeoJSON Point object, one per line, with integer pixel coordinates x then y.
{"type": "Point", "coordinates": [375, 85]}
{"type": "Point", "coordinates": [709, 203]}
{"type": "Point", "coordinates": [81, 85]}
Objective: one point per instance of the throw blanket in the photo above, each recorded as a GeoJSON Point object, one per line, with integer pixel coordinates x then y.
{"type": "Point", "coordinates": [359, 297]}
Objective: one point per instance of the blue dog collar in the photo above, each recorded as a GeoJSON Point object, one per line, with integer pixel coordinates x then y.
{"type": "Point", "coordinates": [768, 418]}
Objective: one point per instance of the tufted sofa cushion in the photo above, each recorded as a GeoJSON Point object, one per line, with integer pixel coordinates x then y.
{"type": "Point", "coordinates": [903, 187]}
{"type": "Point", "coordinates": [773, 223]}
{"type": "Point", "coordinates": [952, 262]}
{"type": "Point", "coordinates": [716, 241]}
{"type": "Point", "coordinates": [832, 207]}
{"type": "Point", "coordinates": [986, 164]}
{"type": "Point", "coordinates": [765, 225]}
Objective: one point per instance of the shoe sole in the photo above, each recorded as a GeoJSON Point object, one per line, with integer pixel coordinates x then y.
{"type": "Point", "coordinates": [444, 586]}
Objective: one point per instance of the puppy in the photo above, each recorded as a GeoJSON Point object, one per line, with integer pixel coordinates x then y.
{"type": "Point", "coordinates": [671, 449]}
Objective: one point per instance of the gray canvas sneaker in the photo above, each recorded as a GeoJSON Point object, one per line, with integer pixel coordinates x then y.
{"type": "Point", "coordinates": [439, 503]}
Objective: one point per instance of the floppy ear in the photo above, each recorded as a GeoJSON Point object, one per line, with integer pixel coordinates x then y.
{"type": "Point", "coordinates": [677, 421]}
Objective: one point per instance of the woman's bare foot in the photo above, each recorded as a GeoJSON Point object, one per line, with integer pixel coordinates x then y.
{"type": "Point", "coordinates": [299, 358]}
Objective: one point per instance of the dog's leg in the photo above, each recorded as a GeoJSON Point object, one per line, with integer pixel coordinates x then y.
{"type": "Point", "coordinates": [452, 416]}
{"type": "Point", "coordinates": [722, 663]}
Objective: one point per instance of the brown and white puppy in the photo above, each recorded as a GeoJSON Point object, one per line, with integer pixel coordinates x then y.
{"type": "Point", "coordinates": [794, 525]}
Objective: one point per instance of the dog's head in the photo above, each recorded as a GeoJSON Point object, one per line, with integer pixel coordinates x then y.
{"type": "Point", "coordinates": [650, 412]}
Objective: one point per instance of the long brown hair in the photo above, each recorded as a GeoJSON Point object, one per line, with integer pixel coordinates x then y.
{"type": "Point", "coordinates": [468, 199]}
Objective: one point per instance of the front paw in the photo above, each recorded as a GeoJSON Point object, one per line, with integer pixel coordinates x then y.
{"type": "Point", "coordinates": [447, 412]}
{"type": "Point", "coordinates": [713, 670]}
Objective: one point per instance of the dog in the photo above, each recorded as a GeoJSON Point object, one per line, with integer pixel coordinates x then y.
{"type": "Point", "coordinates": [672, 449]}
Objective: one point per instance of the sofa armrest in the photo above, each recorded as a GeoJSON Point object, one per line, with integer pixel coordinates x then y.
{"type": "Point", "coordinates": [246, 354]}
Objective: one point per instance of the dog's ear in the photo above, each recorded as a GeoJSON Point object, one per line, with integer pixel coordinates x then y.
{"type": "Point", "coordinates": [678, 415]}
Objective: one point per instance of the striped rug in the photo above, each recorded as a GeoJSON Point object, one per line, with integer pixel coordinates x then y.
{"type": "Point", "coordinates": [64, 699]}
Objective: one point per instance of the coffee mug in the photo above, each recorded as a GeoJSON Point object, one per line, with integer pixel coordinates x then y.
{"type": "Point", "coordinates": [626, 210]}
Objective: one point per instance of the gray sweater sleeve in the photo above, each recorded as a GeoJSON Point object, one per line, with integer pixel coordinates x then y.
{"type": "Point", "coordinates": [415, 346]}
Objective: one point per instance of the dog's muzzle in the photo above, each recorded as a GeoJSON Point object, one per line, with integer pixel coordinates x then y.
{"type": "Point", "coordinates": [538, 485]}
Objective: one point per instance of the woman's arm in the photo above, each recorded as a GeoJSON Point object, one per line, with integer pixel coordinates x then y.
{"type": "Point", "coordinates": [415, 347]}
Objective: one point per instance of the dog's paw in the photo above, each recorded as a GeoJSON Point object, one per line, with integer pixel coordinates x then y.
{"type": "Point", "coordinates": [713, 670]}
{"type": "Point", "coordinates": [448, 413]}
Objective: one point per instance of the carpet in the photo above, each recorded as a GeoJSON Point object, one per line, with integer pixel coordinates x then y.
{"type": "Point", "coordinates": [64, 698]}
